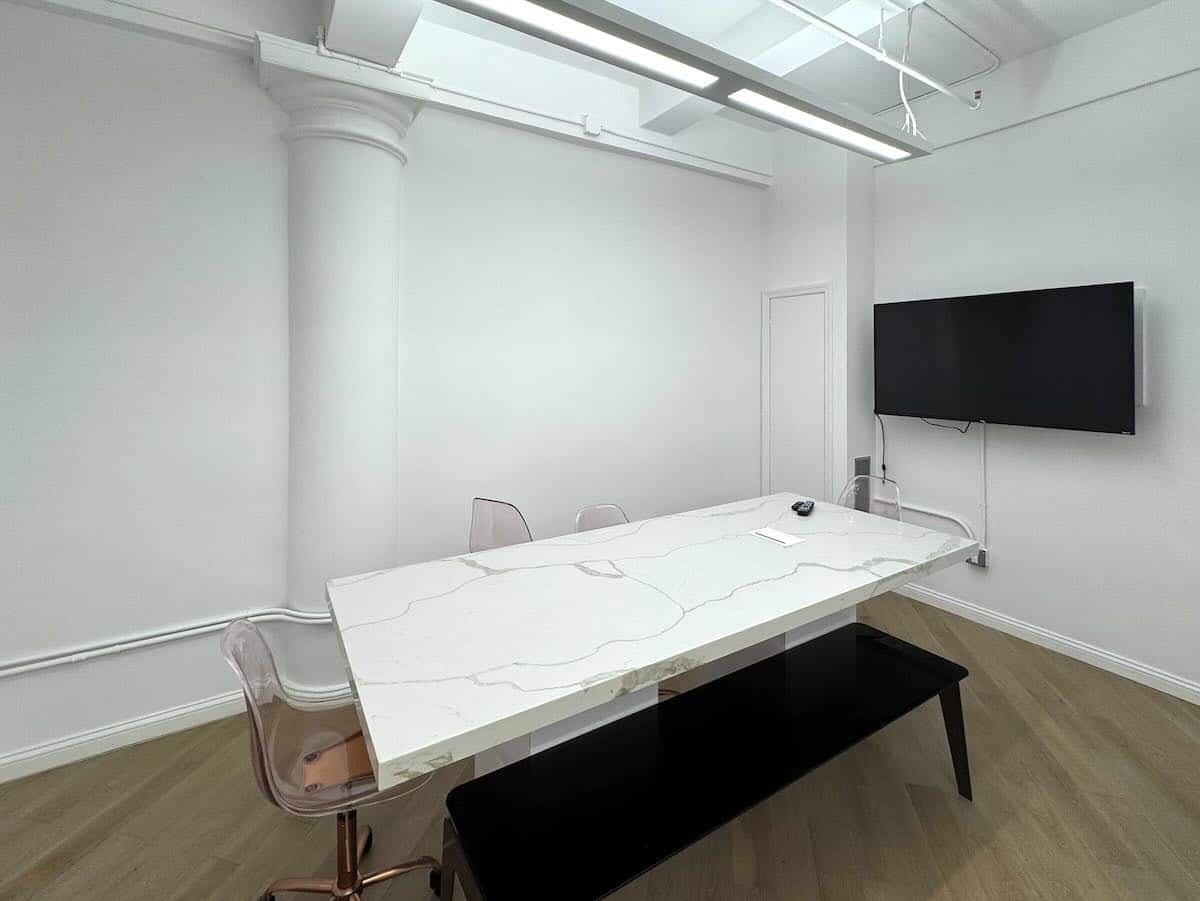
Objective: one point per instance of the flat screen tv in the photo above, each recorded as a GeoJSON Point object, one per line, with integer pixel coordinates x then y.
{"type": "Point", "coordinates": [1061, 358]}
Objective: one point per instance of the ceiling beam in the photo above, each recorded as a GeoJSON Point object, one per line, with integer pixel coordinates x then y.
{"type": "Point", "coordinates": [668, 110]}
{"type": "Point", "coordinates": [374, 30]}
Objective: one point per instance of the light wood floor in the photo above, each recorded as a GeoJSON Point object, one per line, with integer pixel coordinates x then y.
{"type": "Point", "coordinates": [1086, 786]}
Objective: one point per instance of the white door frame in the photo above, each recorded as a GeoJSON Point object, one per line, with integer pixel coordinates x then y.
{"type": "Point", "coordinates": [836, 465]}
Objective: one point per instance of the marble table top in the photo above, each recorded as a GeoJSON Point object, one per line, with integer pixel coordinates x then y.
{"type": "Point", "coordinates": [453, 657]}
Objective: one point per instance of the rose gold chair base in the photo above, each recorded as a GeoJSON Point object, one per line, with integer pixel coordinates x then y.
{"type": "Point", "coordinates": [352, 846]}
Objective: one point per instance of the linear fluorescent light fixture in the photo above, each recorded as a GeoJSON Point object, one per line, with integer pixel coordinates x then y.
{"type": "Point", "coordinates": [572, 32]}
{"type": "Point", "coordinates": [807, 122]}
{"type": "Point", "coordinates": [614, 35]}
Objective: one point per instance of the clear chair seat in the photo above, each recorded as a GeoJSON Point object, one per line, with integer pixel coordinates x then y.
{"type": "Point", "coordinates": [310, 759]}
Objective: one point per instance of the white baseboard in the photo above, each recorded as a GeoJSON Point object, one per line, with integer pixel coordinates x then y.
{"type": "Point", "coordinates": [60, 751]}
{"type": "Point", "coordinates": [55, 753]}
{"type": "Point", "coordinates": [1140, 672]}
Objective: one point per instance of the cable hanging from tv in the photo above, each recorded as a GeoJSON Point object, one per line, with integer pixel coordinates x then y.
{"type": "Point", "coordinates": [942, 425]}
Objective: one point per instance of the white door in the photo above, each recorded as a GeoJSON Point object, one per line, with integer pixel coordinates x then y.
{"type": "Point", "coordinates": [794, 394]}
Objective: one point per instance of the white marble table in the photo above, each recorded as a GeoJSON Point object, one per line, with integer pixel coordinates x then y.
{"type": "Point", "coordinates": [454, 657]}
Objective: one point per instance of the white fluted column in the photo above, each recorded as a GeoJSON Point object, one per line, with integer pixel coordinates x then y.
{"type": "Point", "coordinates": [345, 163]}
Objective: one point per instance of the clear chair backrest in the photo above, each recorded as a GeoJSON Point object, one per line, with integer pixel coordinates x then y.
{"type": "Point", "coordinates": [872, 494]}
{"type": "Point", "coordinates": [598, 516]}
{"type": "Point", "coordinates": [250, 658]}
{"type": "Point", "coordinates": [496, 524]}
{"type": "Point", "coordinates": [293, 747]}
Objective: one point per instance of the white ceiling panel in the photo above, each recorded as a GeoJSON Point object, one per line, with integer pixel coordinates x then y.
{"type": "Point", "coordinates": [703, 20]}
{"type": "Point", "coordinates": [1015, 28]}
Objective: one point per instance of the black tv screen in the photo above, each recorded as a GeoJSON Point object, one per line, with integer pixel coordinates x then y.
{"type": "Point", "coordinates": [1061, 358]}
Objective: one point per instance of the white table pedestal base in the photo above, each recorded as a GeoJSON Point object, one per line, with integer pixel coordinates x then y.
{"type": "Point", "coordinates": [819, 627]}
{"type": "Point", "coordinates": [522, 747]}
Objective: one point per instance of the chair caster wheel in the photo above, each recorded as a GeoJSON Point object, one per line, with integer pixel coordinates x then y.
{"type": "Point", "coordinates": [366, 849]}
{"type": "Point", "coordinates": [435, 882]}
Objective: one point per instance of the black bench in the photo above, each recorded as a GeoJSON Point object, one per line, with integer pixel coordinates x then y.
{"type": "Point", "coordinates": [582, 819]}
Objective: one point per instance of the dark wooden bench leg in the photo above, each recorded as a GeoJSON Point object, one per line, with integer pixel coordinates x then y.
{"type": "Point", "coordinates": [956, 734]}
{"type": "Point", "coordinates": [442, 882]}
{"type": "Point", "coordinates": [454, 866]}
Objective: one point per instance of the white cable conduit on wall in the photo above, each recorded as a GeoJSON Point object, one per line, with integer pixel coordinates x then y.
{"type": "Point", "coordinates": [983, 499]}
{"type": "Point", "coordinates": [95, 650]}
{"type": "Point", "coordinates": [968, 529]}
{"type": "Point", "coordinates": [82, 653]}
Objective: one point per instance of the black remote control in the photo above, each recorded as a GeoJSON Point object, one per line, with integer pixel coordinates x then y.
{"type": "Point", "coordinates": [803, 508]}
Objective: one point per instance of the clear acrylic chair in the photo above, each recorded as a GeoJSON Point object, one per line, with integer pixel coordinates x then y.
{"type": "Point", "coordinates": [310, 760]}
{"type": "Point", "coordinates": [872, 494]}
{"type": "Point", "coordinates": [496, 524]}
{"type": "Point", "coordinates": [598, 516]}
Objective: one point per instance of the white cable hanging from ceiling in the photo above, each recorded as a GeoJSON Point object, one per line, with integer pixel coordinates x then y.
{"type": "Point", "coordinates": [878, 53]}
{"type": "Point", "coordinates": [910, 118]}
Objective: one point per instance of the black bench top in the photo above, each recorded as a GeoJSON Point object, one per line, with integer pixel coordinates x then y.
{"type": "Point", "coordinates": [581, 819]}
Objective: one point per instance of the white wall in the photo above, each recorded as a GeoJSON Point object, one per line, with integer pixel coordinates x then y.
{"type": "Point", "coordinates": [860, 299]}
{"type": "Point", "coordinates": [1093, 537]}
{"type": "Point", "coordinates": [143, 361]}
{"type": "Point", "coordinates": [820, 230]}
{"type": "Point", "coordinates": [576, 327]}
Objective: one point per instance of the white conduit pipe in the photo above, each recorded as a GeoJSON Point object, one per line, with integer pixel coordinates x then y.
{"type": "Point", "coordinates": [881, 55]}
{"type": "Point", "coordinates": [980, 559]}
{"type": "Point", "coordinates": [983, 499]}
{"type": "Point", "coordinates": [967, 528]}
{"type": "Point", "coordinates": [92, 651]}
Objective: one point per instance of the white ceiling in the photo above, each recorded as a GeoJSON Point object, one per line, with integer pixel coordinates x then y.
{"type": "Point", "coordinates": [1009, 28]}
{"type": "Point", "coordinates": [951, 39]}
{"type": "Point", "coordinates": [703, 20]}
{"type": "Point", "coordinates": [1014, 28]}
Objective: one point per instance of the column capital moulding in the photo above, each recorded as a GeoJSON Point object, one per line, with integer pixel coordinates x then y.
{"type": "Point", "coordinates": [326, 97]}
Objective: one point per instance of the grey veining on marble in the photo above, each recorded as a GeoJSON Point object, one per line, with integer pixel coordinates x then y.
{"type": "Point", "coordinates": [455, 656]}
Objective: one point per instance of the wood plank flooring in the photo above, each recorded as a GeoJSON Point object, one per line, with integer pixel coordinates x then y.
{"type": "Point", "coordinates": [1087, 786]}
